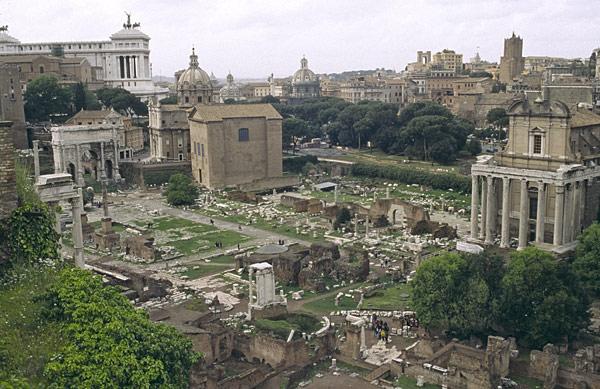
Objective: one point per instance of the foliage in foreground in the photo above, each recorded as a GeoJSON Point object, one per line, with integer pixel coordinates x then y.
{"type": "Point", "coordinates": [534, 298]}
{"type": "Point", "coordinates": [587, 260]}
{"type": "Point", "coordinates": [71, 331]}
{"type": "Point", "coordinates": [181, 190]}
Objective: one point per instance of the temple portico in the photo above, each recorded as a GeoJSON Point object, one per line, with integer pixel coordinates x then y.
{"type": "Point", "coordinates": [543, 207]}
{"type": "Point", "coordinates": [538, 190]}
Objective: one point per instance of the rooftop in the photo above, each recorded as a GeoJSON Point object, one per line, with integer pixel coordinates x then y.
{"type": "Point", "coordinates": [216, 113]}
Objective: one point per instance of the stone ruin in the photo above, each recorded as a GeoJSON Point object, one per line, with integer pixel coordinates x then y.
{"type": "Point", "coordinates": [106, 238]}
{"type": "Point", "coordinates": [309, 267]}
{"type": "Point", "coordinates": [587, 360]}
{"type": "Point", "coordinates": [141, 247]}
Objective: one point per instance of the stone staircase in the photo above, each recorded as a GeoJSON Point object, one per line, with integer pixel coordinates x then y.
{"type": "Point", "coordinates": [378, 373]}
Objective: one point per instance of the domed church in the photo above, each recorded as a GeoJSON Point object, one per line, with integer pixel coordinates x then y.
{"type": "Point", "coordinates": [193, 84]}
{"type": "Point", "coordinates": [305, 83]}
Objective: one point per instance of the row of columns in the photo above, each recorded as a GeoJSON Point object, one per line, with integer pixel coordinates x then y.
{"type": "Point", "coordinates": [568, 210]}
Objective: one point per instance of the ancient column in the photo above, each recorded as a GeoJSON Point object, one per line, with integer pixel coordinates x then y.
{"type": "Point", "coordinates": [63, 162]}
{"type": "Point", "coordinates": [36, 159]}
{"type": "Point", "coordinates": [568, 214]}
{"type": "Point", "coordinates": [367, 227]}
{"type": "Point", "coordinates": [78, 167]}
{"type": "Point", "coordinates": [491, 211]}
{"type": "Point", "coordinates": [523, 216]}
{"type": "Point", "coordinates": [335, 194]}
{"type": "Point", "coordinates": [483, 206]}
{"type": "Point", "coordinates": [250, 270]}
{"type": "Point", "coordinates": [558, 214]}
{"type": "Point", "coordinates": [576, 210]}
{"type": "Point", "coordinates": [541, 214]}
{"type": "Point", "coordinates": [76, 207]}
{"type": "Point", "coordinates": [505, 237]}
{"type": "Point", "coordinates": [116, 174]}
{"type": "Point", "coordinates": [474, 206]}
{"type": "Point", "coordinates": [102, 172]}
{"type": "Point", "coordinates": [387, 193]}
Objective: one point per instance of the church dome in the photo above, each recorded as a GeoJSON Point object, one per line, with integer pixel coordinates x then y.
{"type": "Point", "coordinates": [193, 76]}
{"type": "Point", "coordinates": [304, 74]}
{"type": "Point", "coordinates": [230, 90]}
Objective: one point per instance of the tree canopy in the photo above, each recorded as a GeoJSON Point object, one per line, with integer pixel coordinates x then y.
{"type": "Point", "coordinates": [122, 100]}
{"type": "Point", "coordinates": [497, 117]}
{"type": "Point", "coordinates": [423, 130]}
{"type": "Point", "coordinates": [181, 190]}
{"type": "Point", "coordinates": [587, 260]}
{"type": "Point", "coordinates": [46, 100]}
{"type": "Point", "coordinates": [534, 298]}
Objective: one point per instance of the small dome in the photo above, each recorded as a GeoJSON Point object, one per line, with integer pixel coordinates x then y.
{"type": "Point", "coordinates": [194, 75]}
{"type": "Point", "coordinates": [304, 74]}
{"type": "Point", "coordinates": [230, 90]}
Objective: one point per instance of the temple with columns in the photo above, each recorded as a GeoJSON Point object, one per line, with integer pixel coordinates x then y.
{"type": "Point", "coordinates": [542, 188]}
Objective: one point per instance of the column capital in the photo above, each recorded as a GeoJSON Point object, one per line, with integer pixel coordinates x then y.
{"type": "Point", "coordinates": [559, 188]}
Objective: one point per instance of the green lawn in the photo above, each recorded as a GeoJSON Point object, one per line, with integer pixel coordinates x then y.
{"type": "Point", "coordinates": [169, 223]}
{"type": "Point", "coordinates": [393, 298]}
{"type": "Point", "coordinates": [116, 227]}
{"type": "Point", "coordinates": [405, 382]}
{"type": "Point", "coordinates": [223, 259]}
{"type": "Point", "coordinates": [326, 304]}
{"type": "Point", "coordinates": [529, 383]}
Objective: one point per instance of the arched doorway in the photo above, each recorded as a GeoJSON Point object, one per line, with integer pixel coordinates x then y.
{"type": "Point", "coordinates": [108, 169]}
{"type": "Point", "coordinates": [71, 170]}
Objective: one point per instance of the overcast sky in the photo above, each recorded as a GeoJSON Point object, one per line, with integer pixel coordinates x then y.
{"type": "Point", "coordinates": [256, 38]}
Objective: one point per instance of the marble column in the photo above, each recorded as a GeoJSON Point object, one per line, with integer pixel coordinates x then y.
{"type": "Point", "coordinates": [491, 211]}
{"type": "Point", "coordinates": [250, 270]}
{"type": "Point", "coordinates": [568, 214]}
{"type": "Point", "coordinates": [76, 208]}
{"type": "Point", "coordinates": [102, 172]}
{"type": "Point", "coordinates": [116, 174]}
{"type": "Point", "coordinates": [474, 206]}
{"type": "Point", "coordinates": [78, 167]}
{"type": "Point", "coordinates": [541, 214]}
{"type": "Point", "coordinates": [558, 214]}
{"type": "Point", "coordinates": [576, 210]}
{"type": "Point", "coordinates": [483, 207]}
{"type": "Point", "coordinates": [523, 216]}
{"type": "Point", "coordinates": [36, 158]}
{"type": "Point", "coordinates": [63, 162]}
{"type": "Point", "coordinates": [505, 233]}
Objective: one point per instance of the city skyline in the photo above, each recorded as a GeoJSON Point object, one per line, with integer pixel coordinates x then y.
{"type": "Point", "coordinates": [255, 39]}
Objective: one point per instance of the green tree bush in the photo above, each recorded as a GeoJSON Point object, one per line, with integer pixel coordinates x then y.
{"type": "Point", "coordinates": [587, 260]}
{"type": "Point", "coordinates": [181, 190]}
{"type": "Point", "coordinates": [45, 99]}
{"type": "Point", "coordinates": [542, 299]}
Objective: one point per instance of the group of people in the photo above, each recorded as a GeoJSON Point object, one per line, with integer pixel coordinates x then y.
{"type": "Point", "coordinates": [380, 328]}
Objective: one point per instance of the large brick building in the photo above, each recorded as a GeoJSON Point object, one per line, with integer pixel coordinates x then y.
{"type": "Point", "coordinates": [235, 144]}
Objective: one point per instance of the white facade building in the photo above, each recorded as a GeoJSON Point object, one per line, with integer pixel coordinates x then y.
{"type": "Point", "coordinates": [122, 61]}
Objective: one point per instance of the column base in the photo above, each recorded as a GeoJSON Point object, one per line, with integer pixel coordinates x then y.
{"type": "Point", "coordinates": [520, 248]}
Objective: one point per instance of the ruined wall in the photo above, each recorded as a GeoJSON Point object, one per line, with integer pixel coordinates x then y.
{"type": "Point", "coordinates": [543, 365]}
{"type": "Point", "coordinates": [8, 194]}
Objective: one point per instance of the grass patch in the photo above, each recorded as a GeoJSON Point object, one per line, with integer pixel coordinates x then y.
{"type": "Point", "coordinates": [405, 382]}
{"type": "Point", "coordinates": [397, 297]}
{"type": "Point", "coordinates": [528, 382]}
{"type": "Point", "coordinates": [169, 223]}
{"type": "Point", "coordinates": [326, 304]}
{"type": "Point", "coordinates": [223, 259]}
{"type": "Point", "coordinates": [281, 326]}
{"type": "Point", "coordinates": [196, 304]}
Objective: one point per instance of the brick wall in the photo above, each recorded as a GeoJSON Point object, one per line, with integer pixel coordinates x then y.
{"type": "Point", "coordinates": [8, 194]}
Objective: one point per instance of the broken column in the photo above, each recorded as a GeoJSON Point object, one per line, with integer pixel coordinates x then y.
{"type": "Point", "coordinates": [36, 159]}
{"type": "Point", "coordinates": [76, 207]}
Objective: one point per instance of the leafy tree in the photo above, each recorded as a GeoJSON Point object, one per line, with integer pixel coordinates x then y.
{"type": "Point", "coordinates": [422, 108]}
{"type": "Point", "coordinates": [270, 100]}
{"type": "Point", "coordinates": [169, 100]}
{"type": "Point", "coordinates": [110, 343]}
{"type": "Point", "coordinates": [542, 299]}
{"type": "Point", "coordinates": [497, 117]}
{"type": "Point", "coordinates": [46, 99]}
{"type": "Point", "coordinates": [293, 130]}
{"type": "Point", "coordinates": [122, 100]}
{"type": "Point", "coordinates": [181, 190]}
{"type": "Point", "coordinates": [79, 96]}
{"type": "Point", "coordinates": [473, 146]}
{"type": "Point", "coordinates": [587, 260]}
{"type": "Point", "coordinates": [451, 292]}
{"type": "Point", "coordinates": [342, 217]}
